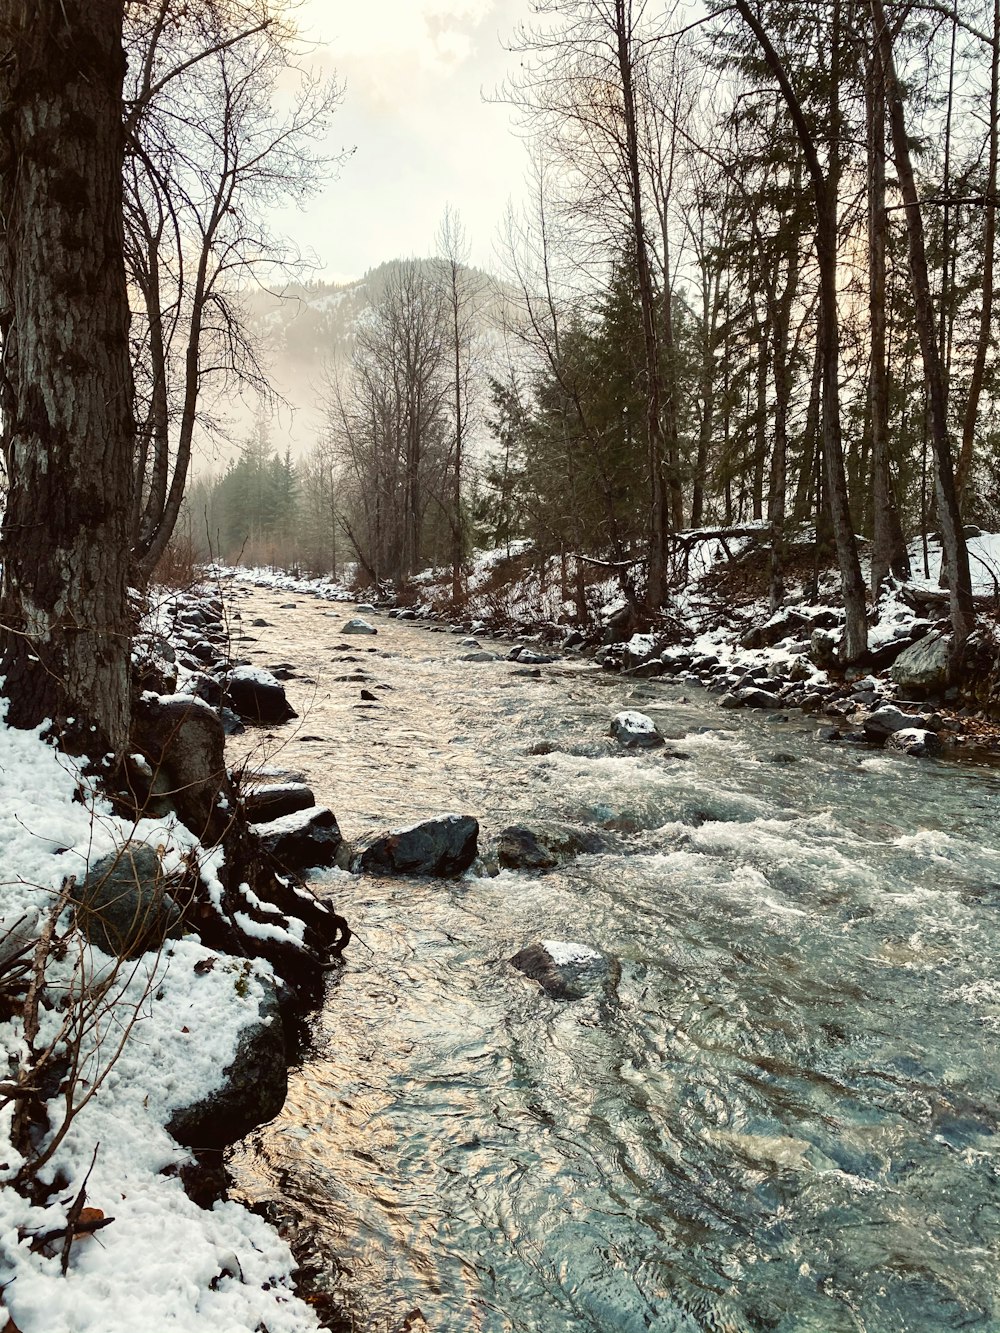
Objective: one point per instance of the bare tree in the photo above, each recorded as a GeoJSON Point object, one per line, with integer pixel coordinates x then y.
{"type": "Point", "coordinates": [463, 292]}
{"type": "Point", "coordinates": [209, 152]}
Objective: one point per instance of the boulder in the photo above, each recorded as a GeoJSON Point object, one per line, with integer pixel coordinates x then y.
{"type": "Point", "coordinates": [884, 721]}
{"type": "Point", "coordinates": [358, 626]}
{"type": "Point", "coordinates": [748, 696]}
{"type": "Point", "coordinates": [481, 656]}
{"type": "Point", "coordinates": [533, 658]}
{"type": "Point", "coordinates": [263, 804]}
{"type": "Point", "coordinates": [184, 741]}
{"type": "Point", "coordinates": [914, 741]}
{"type": "Point", "coordinates": [823, 648]}
{"type": "Point", "coordinates": [924, 667]}
{"type": "Point", "coordinates": [520, 848]}
{"type": "Point", "coordinates": [635, 730]}
{"type": "Point", "coordinates": [444, 846]}
{"type": "Point", "coordinates": [303, 839]}
{"type": "Point", "coordinates": [566, 970]}
{"type": "Point", "coordinates": [123, 906]}
{"type": "Point", "coordinates": [253, 1089]}
{"type": "Point", "coordinates": [257, 697]}
{"type": "Point", "coordinates": [782, 625]}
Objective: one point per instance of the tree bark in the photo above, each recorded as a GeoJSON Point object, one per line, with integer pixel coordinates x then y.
{"type": "Point", "coordinates": [888, 545]}
{"type": "Point", "coordinates": [954, 550]}
{"type": "Point", "coordinates": [659, 520]}
{"type": "Point", "coordinates": [855, 639]}
{"type": "Point", "coordinates": [68, 428]}
{"type": "Point", "coordinates": [985, 336]}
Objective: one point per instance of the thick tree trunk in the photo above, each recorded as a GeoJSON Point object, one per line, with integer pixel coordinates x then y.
{"type": "Point", "coordinates": [69, 435]}
{"type": "Point", "coordinates": [955, 553]}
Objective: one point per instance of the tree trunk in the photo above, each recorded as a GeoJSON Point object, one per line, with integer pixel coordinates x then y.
{"type": "Point", "coordinates": [888, 545]}
{"type": "Point", "coordinates": [659, 505]}
{"type": "Point", "coordinates": [855, 638]}
{"type": "Point", "coordinates": [69, 430]}
{"type": "Point", "coordinates": [954, 551]}
{"type": "Point", "coordinates": [985, 337]}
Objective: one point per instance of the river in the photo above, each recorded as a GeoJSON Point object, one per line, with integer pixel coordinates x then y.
{"type": "Point", "coordinates": [784, 1114]}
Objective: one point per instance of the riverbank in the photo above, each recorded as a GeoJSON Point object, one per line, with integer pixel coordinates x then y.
{"type": "Point", "coordinates": [142, 1008]}
{"type": "Point", "coordinates": [718, 632]}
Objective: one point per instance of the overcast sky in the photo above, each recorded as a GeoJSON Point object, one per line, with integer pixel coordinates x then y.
{"type": "Point", "coordinates": [413, 73]}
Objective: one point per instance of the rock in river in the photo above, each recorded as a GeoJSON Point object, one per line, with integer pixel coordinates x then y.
{"type": "Point", "coordinates": [567, 970]}
{"type": "Point", "coordinates": [444, 846]}
{"type": "Point", "coordinates": [307, 838]}
{"type": "Point", "coordinates": [358, 626]}
{"type": "Point", "coordinates": [257, 696]}
{"type": "Point", "coordinates": [914, 741]}
{"type": "Point", "coordinates": [253, 1087]}
{"type": "Point", "coordinates": [635, 730]}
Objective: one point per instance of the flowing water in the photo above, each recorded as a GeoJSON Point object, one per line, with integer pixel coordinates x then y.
{"type": "Point", "coordinates": [782, 1114]}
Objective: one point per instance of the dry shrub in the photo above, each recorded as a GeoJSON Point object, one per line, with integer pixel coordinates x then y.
{"type": "Point", "coordinates": [179, 566]}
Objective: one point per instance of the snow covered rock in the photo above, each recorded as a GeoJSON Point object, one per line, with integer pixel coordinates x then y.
{"type": "Point", "coordinates": [264, 804]}
{"type": "Point", "coordinates": [635, 730]}
{"type": "Point", "coordinates": [529, 656]}
{"type": "Point", "coordinates": [566, 970]}
{"type": "Point", "coordinates": [782, 625]}
{"type": "Point", "coordinates": [358, 626]}
{"type": "Point", "coordinates": [444, 846]}
{"type": "Point", "coordinates": [884, 721]}
{"type": "Point", "coordinates": [914, 741]}
{"type": "Point", "coordinates": [183, 740]}
{"type": "Point", "coordinates": [123, 906]}
{"type": "Point", "coordinates": [306, 838]}
{"type": "Point", "coordinates": [257, 697]}
{"type": "Point", "coordinates": [924, 667]}
{"type": "Point", "coordinates": [254, 1086]}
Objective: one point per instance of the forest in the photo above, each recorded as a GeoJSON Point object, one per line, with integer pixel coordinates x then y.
{"type": "Point", "coordinates": [754, 285]}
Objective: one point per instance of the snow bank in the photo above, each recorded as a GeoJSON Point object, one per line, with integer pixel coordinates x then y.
{"type": "Point", "coordinates": [163, 1263]}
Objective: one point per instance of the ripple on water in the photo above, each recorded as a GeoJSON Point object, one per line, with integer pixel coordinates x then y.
{"type": "Point", "coordinates": [783, 1116]}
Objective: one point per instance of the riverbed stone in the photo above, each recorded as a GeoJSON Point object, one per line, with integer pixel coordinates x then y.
{"type": "Point", "coordinates": [917, 742]}
{"type": "Point", "coordinates": [881, 723]}
{"type": "Point", "coordinates": [358, 625]}
{"type": "Point", "coordinates": [257, 696]}
{"type": "Point", "coordinates": [545, 845]}
{"type": "Point", "coordinates": [183, 740]}
{"type": "Point", "coordinates": [568, 970]}
{"type": "Point", "coordinates": [264, 804]}
{"type": "Point", "coordinates": [304, 839]}
{"type": "Point", "coordinates": [924, 667]}
{"type": "Point", "coordinates": [253, 1088]}
{"type": "Point", "coordinates": [635, 730]}
{"type": "Point", "coordinates": [434, 847]}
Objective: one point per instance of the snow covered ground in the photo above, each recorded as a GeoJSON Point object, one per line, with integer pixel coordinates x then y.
{"type": "Point", "coordinates": [160, 1029]}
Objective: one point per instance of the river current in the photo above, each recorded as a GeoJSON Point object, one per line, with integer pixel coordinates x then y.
{"type": "Point", "coordinates": [783, 1116]}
